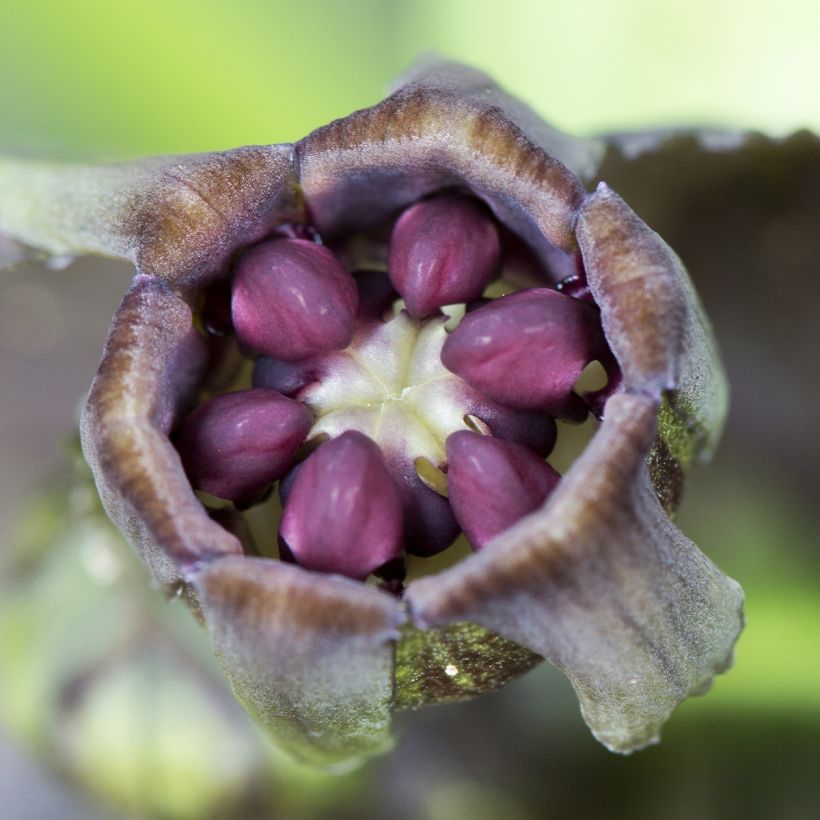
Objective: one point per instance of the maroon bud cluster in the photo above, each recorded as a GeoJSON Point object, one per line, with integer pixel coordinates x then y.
{"type": "Point", "coordinates": [422, 432]}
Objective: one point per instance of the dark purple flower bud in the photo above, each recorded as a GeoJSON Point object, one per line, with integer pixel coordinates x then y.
{"type": "Point", "coordinates": [376, 293]}
{"type": "Point", "coordinates": [288, 378]}
{"type": "Point", "coordinates": [533, 428]}
{"type": "Point", "coordinates": [343, 512]}
{"type": "Point", "coordinates": [492, 483]}
{"type": "Point", "coordinates": [234, 445]}
{"type": "Point", "coordinates": [429, 524]}
{"type": "Point", "coordinates": [443, 251]}
{"type": "Point", "coordinates": [526, 350]}
{"type": "Point", "coordinates": [292, 299]}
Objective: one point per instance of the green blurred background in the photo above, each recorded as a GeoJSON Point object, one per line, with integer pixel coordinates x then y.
{"type": "Point", "coordinates": [122, 79]}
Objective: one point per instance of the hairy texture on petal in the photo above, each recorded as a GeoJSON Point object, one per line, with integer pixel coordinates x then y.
{"type": "Point", "coordinates": [603, 585]}
{"type": "Point", "coordinates": [150, 367]}
{"type": "Point", "coordinates": [448, 126]}
{"type": "Point", "coordinates": [177, 217]}
{"type": "Point", "coordinates": [651, 316]}
{"type": "Point", "coordinates": [313, 662]}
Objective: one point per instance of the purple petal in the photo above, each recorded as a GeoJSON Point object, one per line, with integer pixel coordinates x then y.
{"type": "Point", "coordinates": [293, 299]}
{"type": "Point", "coordinates": [343, 512]}
{"type": "Point", "coordinates": [443, 251]}
{"type": "Point", "coordinates": [234, 445]}
{"type": "Point", "coordinates": [492, 483]}
{"type": "Point", "coordinates": [312, 659]}
{"type": "Point", "coordinates": [526, 350]}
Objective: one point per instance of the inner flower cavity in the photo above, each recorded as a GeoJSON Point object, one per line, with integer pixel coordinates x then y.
{"type": "Point", "coordinates": [390, 427]}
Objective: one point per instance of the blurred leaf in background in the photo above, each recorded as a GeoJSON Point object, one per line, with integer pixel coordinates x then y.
{"type": "Point", "coordinates": [95, 79]}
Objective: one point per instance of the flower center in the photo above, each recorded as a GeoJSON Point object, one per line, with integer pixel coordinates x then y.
{"type": "Point", "coordinates": [416, 431]}
{"type": "Point", "coordinates": [390, 385]}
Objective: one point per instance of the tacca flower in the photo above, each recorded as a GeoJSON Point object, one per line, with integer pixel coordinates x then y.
{"type": "Point", "coordinates": [389, 425]}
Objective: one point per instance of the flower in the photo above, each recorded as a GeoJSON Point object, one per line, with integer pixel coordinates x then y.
{"type": "Point", "coordinates": [597, 579]}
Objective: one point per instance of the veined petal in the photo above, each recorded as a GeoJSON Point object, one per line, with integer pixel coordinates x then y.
{"type": "Point", "coordinates": [447, 126]}
{"type": "Point", "coordinates": [658, 333]}
{"type": "Point", "coordinates": [603, 585]}
{"type": "Point", "coordinates": [152, 361]}
{"type": "Point", "coordinates": [313, 662]}
{"type": "Point", "coordinates": [176, 217]}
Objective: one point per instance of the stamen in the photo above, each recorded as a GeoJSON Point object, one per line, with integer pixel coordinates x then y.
{"type": "Point", "coordinates": [234, 445]}
{"type": "Point", "coordinates": [525, 350]}
{"type": "Point", "coordinates": [431, 476]}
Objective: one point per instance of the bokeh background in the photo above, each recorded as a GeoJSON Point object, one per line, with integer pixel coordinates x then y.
{"type": "Point", "coordinates": [111, 706]}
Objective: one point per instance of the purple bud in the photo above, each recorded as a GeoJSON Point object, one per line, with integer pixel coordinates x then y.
{"type": "Point", "coordinates": [443, 251]}
{"type": "Point", "coordinates": [429, 524]}
{"type": "Point", "coordinates": [343, 512]}
{"type": "Point", "coordinates": [293, 299]}
{"type": "Point", "coordinates": [526, 350]}
{"type": "Point", "coordinates": [492, 483]}
{"type": "Point", "coordinates": [234, 445]}
{"type": "Point", "coordinates": [288, 378]}
{"type": "Point", "coordinates": [530, 427]}
{"type": "Point", "coordinates": [376, 294]}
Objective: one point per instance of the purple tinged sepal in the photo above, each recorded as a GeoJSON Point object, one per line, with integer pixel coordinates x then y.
{"type": "Point", "coordinates": [293, 299]}
{"type": "Point", "coordinates": [443, 251]}
{"type": "Point", "coordinates": [236, 444]}
{"type": "Point", "coordinates": [526, 350]}
{"type": "Point", "coordinates": [343, 513]}
{"type": "Point", "coordinates": [492, 483]}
